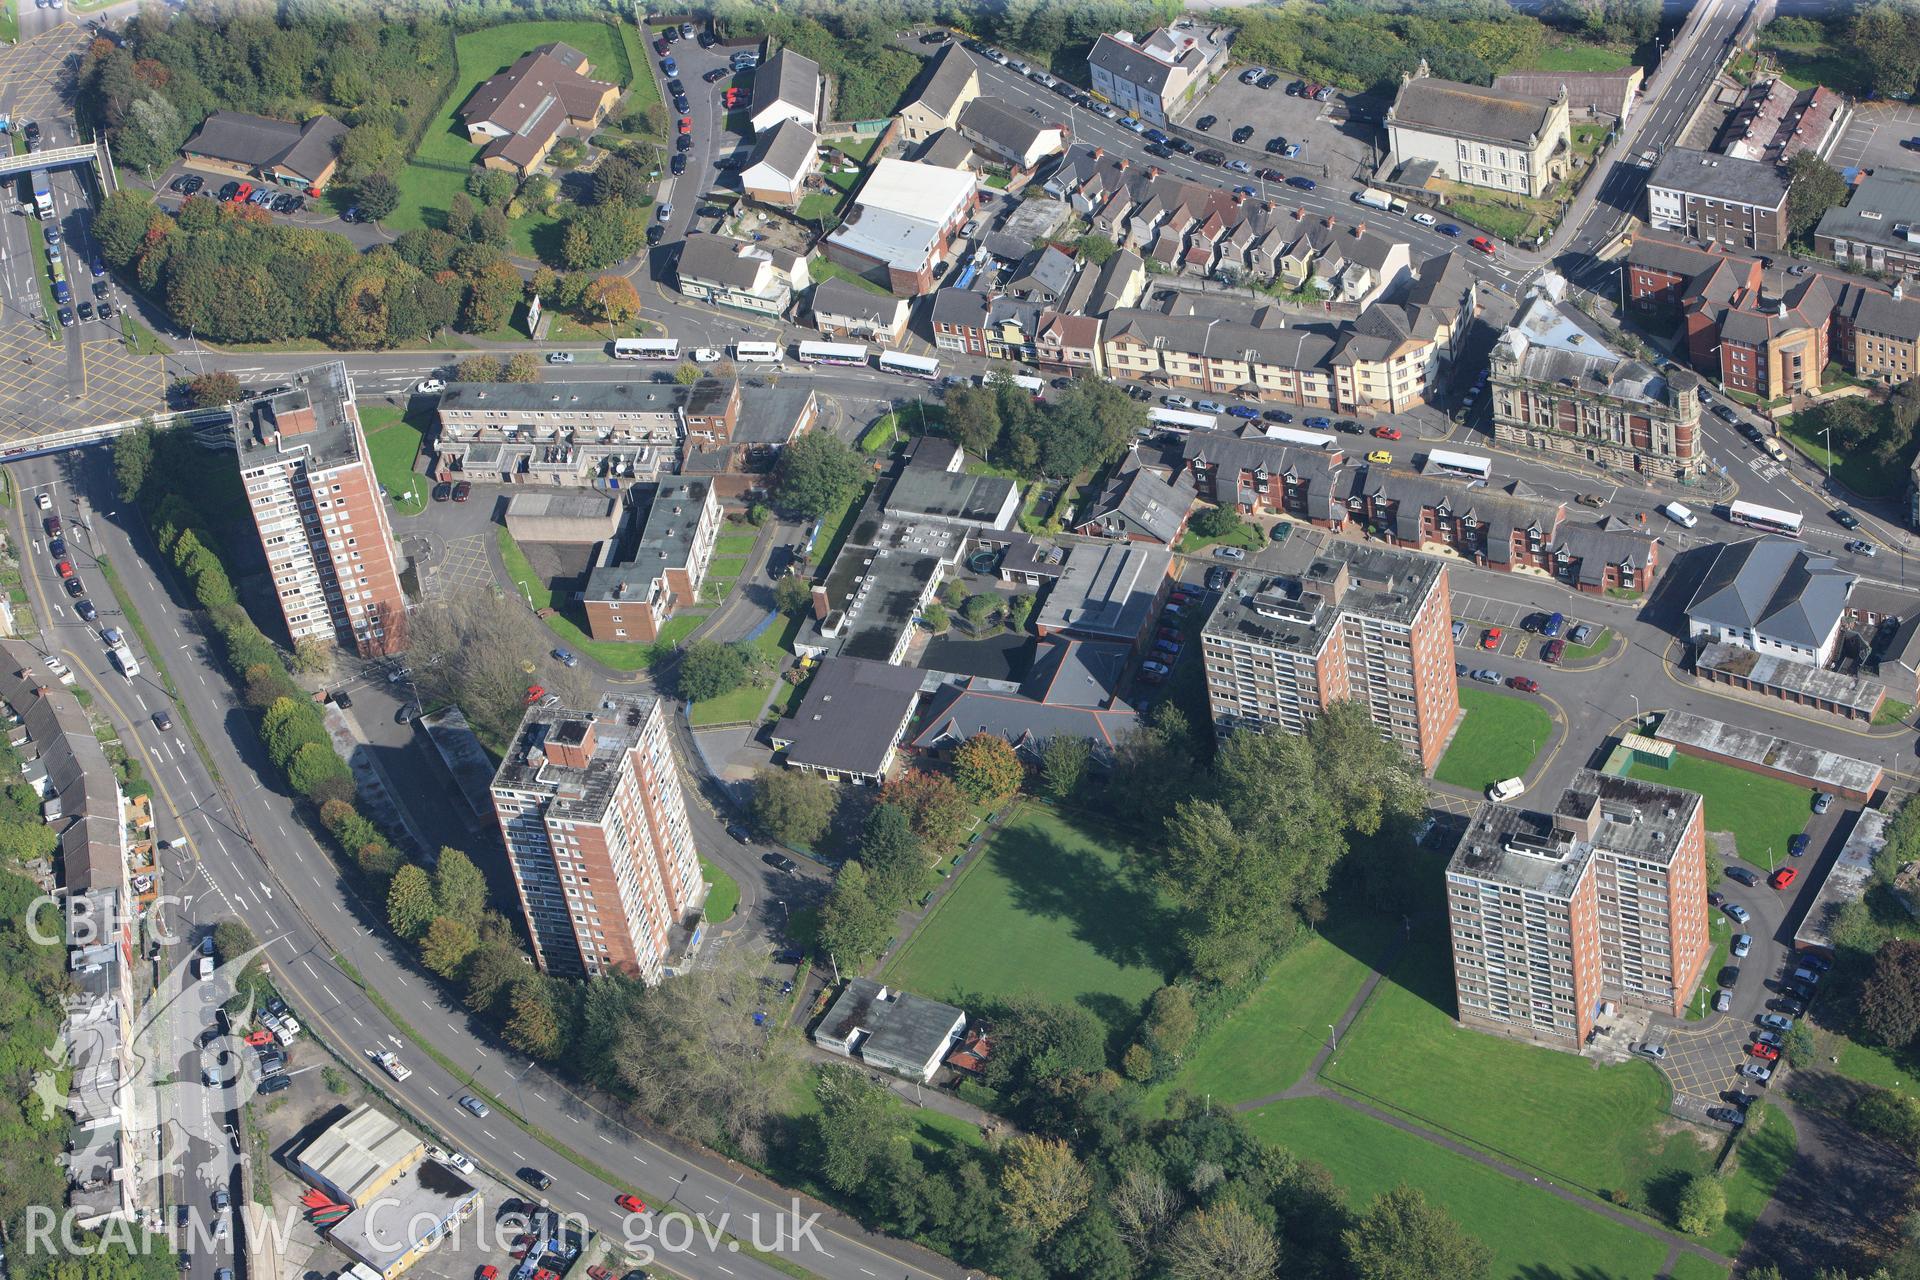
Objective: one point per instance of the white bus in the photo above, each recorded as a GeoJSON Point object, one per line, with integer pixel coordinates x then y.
{"type": "Point", "coordinates": [757, 352]}
{"type": "Point", "coordinates": [831, 353]}
{"type": "Point", "coordinates": [646, 348]}
{"type": "Point", "coordinates": [1769, 519]}
{"type": "Point", "coordinates": [1305, 439]}
{"type": "Point", "coordinates": [913, 366]}
{"type": "Point", "coordinates": [1180, 420]}
{"type": "Point", "coordinates": [1471, 465]}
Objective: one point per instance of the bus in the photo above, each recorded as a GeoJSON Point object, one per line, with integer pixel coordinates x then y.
{"type": "Point", "coordinates": [757, 352]}
{"type": "Point", "coordinates": [1471, 465]}
{"type": "Point", "coordinates": [913, 366]}
{"type": "Point", "coordinates": [646, 348]}
{"type": "Point", "coordinates": [1180, 420]}
{"type": "Point", "coordinates": [831, 353]}
{"type": "Point", "coordinates": [1305, 439]}
{"type": "Point", "coordinates": [1768, 519]}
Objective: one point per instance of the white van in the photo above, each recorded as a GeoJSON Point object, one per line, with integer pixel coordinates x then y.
{"type": "Point", "coordinates": [1680, 515]}
{"type": "Point", "coordinates": [1505, 790]}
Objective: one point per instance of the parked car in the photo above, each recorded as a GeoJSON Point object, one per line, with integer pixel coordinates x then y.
{"type": "Point", "coordinates": [462, 491]}
{"type": "Point", "coordinates": [1722, 1000]}
{"type": "Point", "coordinates": [1318, 424]}
{"type": "Point", "coordinates": [1861, 547]}
{"type": "Point", "coordinates": [1386, 433]}
{"type": "Point", "coordinates": [1658, 1052]}
{"type": "Point", "coordinates": [1380, 455]}
{"type": "Point", "coordinates": [1486, 675]}
{"type": "Point", "coordinates": [1210, 406]}
{"type": "Point", "coordinates": [1742, 943]}
{"type": "Point", "coordinates": [1229, 553]}
{"type": "Point", "coordinates": [1754, 1071]}
{"type": "Point", "coordinates": [1525, 684]}
{"type": "Point", "coordinates": [780, 862]}
{"type": "Point", "coordinates": [1775, 1022]}
{"type": "Point", "coordinates": [1244, 132]}
{"type": "Point", "coordinates": [1483, 244]}
{"type": "Point", "coordinates": [1490, 638]}
{"type": "Point", "coordinates": [1210, 156]}
{"type": "Point", "coordinates": [1743, 875]}
{"type": "Point", "coordinates": [1277, 415]}
{"type": "Point", "coordinates": [1845, 518]}
{"type": "Point", "coordinates": [1205, 123]}
{"type": "Point", "coordinates": [1448, 229]}
{"type": "Point", "coordinates": [1737, 913]}
{"type": "Point", "coordinates": [1304, 184]}
{"type": "Point", "coordinates": [1764, 1052]}
{"type": "Point", "coordinates": [1156, 668]}
{"type": "Point", "coordinates": [1822, 801]}
{"type": "Point", "coordinates": [1798, 844]}
{"type": "Point", "coordinates": [1784, 877]}
{"type": "Point", "coordinates": [1726, 1115]}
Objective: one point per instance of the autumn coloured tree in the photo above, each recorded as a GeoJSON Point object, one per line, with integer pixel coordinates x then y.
{"type": "Point", "coordinates": [986, 769]}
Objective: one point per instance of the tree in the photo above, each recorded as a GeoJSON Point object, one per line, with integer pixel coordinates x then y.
{"type": "Point", "coordinates": [459, 889]}
{"type": "Point", "coordinates": [410, 906]}
{"type": "Point", "coordinates": [1142, 1205]}
{"type": "Point", "coordinates": [709, 669]}
{"type": "Point", "coordinates": [491, 187]}
{"type": "Point", "coordinates": [1019, 609]}
{"type": "Point", "coordinates": [1224, 1242]}
{"type": "Point", "coordinates": [1216, 523]}
{"type": "Point", "coordinates": [1095, 249]}
{"type": "Point", "coordinates": [233, 939]}
{"type": "Point", "coordinates": [318, 773]}
{"type": "Point", "coordinates": [613, 299]}
{"type": "Point", "coordinates": [935, 804]}
{"type": "Point", "coordinates": [987, 770]}
{"type": "Point", "coordinates": [533, 1025]}
{"type": "Point", "coordinates": [478, 369]}
{"type": "Point", "coordinates": [979, 608]}
{"type": "Point", "coordinates": [1063, 764]}
{"type": "Point", "coordinates": [1888, 1115]}
{"type": "Point", "coordinates": [973, 419]}
{"type": "Point", "coordinates": [521, 366]}
{"type": "Point", "coordinates": [855, 920]}
{"type": "Point", "coordinates": [213, 390]}
{"type": "Point", "coordinates": [124, 224]}
{"type": "Point", "coordinates": [1171, 1021]}
{"type": "Point", "coordinates": [1703, 1205]}
{"type": "Point", "coordinates": [1814, 187]}
{"type": "Point", "coordinates": [27, 841]}
{"type": "Point", "coordinates": [858, 1123]}
{"type": "Point", "coordinates": [1797, 1047]}
{"type": "Point", "coordinates": [792, 805]}
{"type": "Point", "coordinates": [818, 473]}
{"type": "Point", "coordinates": [936, 617]}
{"type": "Point", "coordinates": [1884, 38]}
{"type": "Point", "coordinates": [597, 236]}
{"type": "Point", "coordinates": [368, 149]}
{"type": "Point", "coordinates": [793, 594]}
{"type": "Point", "coordinates": [469, 650]}
{"type": "Point", "coordinates": [617, 178]}
{"type": "Point", "coordinates": [447, 945]}
{"type": "Point", "coordinates": [1042, 1185]}
{"type": "Point", "coordinates": [490, 971]}
{"type": "Point", "coordinates": [313, 656]}
{"type": "Point", "coordinates": [1037, 1043]}
{"type": "Point", "coordinates": [377, 195]}
{"type": "Point", "coordinates": [687, 374]}
{"type": "Point", "coordinates": [1890, 996]}
{"type": "Point", "coordinates": [132, 455]}
{"type": "Point", "coordinates": [891, 852]}
{"type": "Point", "coordinates": [1402, 1237]}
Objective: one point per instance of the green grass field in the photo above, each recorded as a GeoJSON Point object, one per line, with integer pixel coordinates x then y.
{"type": "Point", "coordinates": [1577, 57]}
{"type": "Point", "coordinates": [1047, 909]}
{"type": "Point", "coordinates": [440, 163]}
{"type": "Point", "coordinates": [1691, 1266]}
{"type": "Point", "coordinates": [1268, 1043]}
{"type": "Point", "coordinates": [1499, 738]}
{"type": "Point", "coordinates": [394, 444]}
{"type": "Point", "coordinates": [741, 704]}
{"type": "Point", "coordinates": [734, 544]}
{"type": "Point", "coordinates": [1533, 1234]}
{"type": "Point", "coordinates": [1247, 535]}
{"type": "Point", "coordinates": [724, 898]}
{"type": "Point", "coordinates": [1762, 813]}
{"type": "Point", "coordinates": [1511, 225]}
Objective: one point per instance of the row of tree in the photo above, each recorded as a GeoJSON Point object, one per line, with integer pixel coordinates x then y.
{"type": "Point", "coordinates": [1087, 426]}
{"type": "Point", "coordinates": [1856, 425]}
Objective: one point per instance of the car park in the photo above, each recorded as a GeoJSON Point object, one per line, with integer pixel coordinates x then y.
{"type": "Point", "coordinates": [1229, 553]}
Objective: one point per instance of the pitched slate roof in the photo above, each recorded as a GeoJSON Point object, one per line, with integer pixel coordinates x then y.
{"type": "Point", "coordinates": [1045, 271]}
{"type": "Point", "coordinates": [1068, 693]}
{"type": "Point", "coordinates": [951, 69]}
{"type": "Point", "coordinates": [1128, 62]}
{"type": "Point", "coordinates": [732, 263]}
{"type": "Point", "coordinates": [787, 149]}
{"type": "Point", "coordinates": [1234, 453]}
{"type": "Point", "coordinates": [837, 297]}
{"type": "Point", "coordinates": [947, 149]}
{"type": "Point", "coordinates": [1716, 177]}
{"type": "Point", "coordinates": [1879, 312]}
{"type": "Point", "coordinates": [264, 143]}
{"type": "Point", "coordinates": [1607, 542]}
{"type": "Point", "coordinates": [1143, 501]}
{"type": "Point", "coordinates": [1011, 132]}
{"type": "Point", "coordinates": [1469, 110]}
{"type": "Point", "coordinates": [1774, 586]}
{"type": "Point", "coordinates": [1608, 92]}
{"type": "Point", "coordinates": [787, 77]}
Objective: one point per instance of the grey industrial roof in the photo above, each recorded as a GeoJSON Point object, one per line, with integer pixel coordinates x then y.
{"type": "Point", "coordinates": [1608, 92]}
{"type": "Point", "coordinates": [1883, 206]}
{"type": "Point", "coordinates": [952, 495]}
{"type": "Point", "coordinates": [835, 296]}
{"type": "Point", "coordinates": [1469, 110]}
{"type": "Point", "coordinates": [1817, 766]}
{"type": "Point", "coordinates": [1774, 586]}
{"type": "Point", "coordinates": [1846, 881]}
{"type": "Point", "coordinates": [770, 415]}
{"type": "Point", "coordinates": [951, 69]}
{"type": "Point", "coordinates": [1106, 590]}
{"type": "Point", "coordinates": [575, 794]}
{"type": "Point", "coordinates": [561, 397]}
{"type": "Point", "coordinates": [665, 541]}
{"type": "Point", "coordinates": [263, 143]}
{"type": "Point", "coordinates": [315, 415]}
{"type": "Point", "coordinates": [1718, 177]}
{"type": "Point", "coordinates": [900, 1026]}
{"type": "Point", "coordinates": [787, 149]}
{"type": "Point", "coordinates": [1799, 680]}
{"type": "Point", "coordinates": [847, 719]}
{"type": "Point", "coordinates": [788, 77]}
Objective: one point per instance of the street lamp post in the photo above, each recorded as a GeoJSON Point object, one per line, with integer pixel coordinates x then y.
{"type": "Point", "coordinates": [1333, 1037]}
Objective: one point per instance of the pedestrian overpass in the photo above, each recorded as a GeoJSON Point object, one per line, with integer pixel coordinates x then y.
{"type": "Point", "coordinates": [55, 158]}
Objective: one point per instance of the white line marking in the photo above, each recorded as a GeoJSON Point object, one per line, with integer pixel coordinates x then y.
{"type": "Point", "coordinates": [584, 1196]}
{"type": "Point", "coordinates": [604, 1138]}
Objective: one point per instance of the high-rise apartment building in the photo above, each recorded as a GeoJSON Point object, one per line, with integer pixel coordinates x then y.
{"type": "Point", "coordinates": [589, 805]}
{"type": "Point", "coordinates": [1605, 898]}
{"type": "Point", "coordinates": [1359, 622]}
{"type": "Point", "coordinates": [317, 507]}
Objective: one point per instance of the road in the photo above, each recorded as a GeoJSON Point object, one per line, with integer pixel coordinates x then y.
{"type": "Point", "coordinates": [249, 858]}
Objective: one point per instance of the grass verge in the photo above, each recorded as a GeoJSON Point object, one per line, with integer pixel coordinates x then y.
{"type": "Point", "coordinates": [393, 441]}
{"type": "Point", "coordinates": [724, 898]}
{"type": "Point", "coordinates": [1500, 737]}
{"type": "Point", "coordinates": [1857, 471]}
{"type": "Point", "coordinates": [1892, 711]}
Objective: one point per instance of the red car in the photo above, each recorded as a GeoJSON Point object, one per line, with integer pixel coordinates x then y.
{"type": "Point", "coordinates": [1784, 877]}
{"type": "Point", "coordinates": [1550, 654]}
{"type": "Point", "coordinates": [462, 491]}
{"type": "Point", "coordinates": [1169, 633]}
{"type": "Point", "coordinates": [1490, 638]}
{"type": "Point", "coordinates": [1386, 433]}
{"type": "Point", "coordinates": [64, 569]}
{"type": "Point", "coordinates": [258, 1038]}
{"type": "Point", "coordinates": [487, 1273]}
{"type": "Point", "coordinates": [1765, 1052]}
{"type": "Point", "coordinates": [631, 1203]}
{"type": "Point", "coordinates": [1483, 244]}
{"type": "Point", "coordinates": [1525, 684]}
{"type": "Point", "coordinates": [686, 124]}
{"type": "Point", "coordinates": [534, 694]}
{"type": "Point", "coordinates": [660, 45]}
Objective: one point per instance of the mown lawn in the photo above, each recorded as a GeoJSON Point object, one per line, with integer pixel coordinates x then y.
{"type": "Point", "coordinates": [1762, 813]}
{"type": "Point", "coordinates": [394, 443]}
{"type": "Point", "coordinates": [724, 898]}
{"type": "Point", "coordinates": [1581, 652]}
{"type": "Point", "coordinates": [1268, 1043]}
{"type": "Point", "coordinates": [1532, 1233]}
{"type": "Point", "coordinates": [439, 166]}
{"type": "Point", "coordinates": [1511, 225]}
{"type": "Point", "coordinates": [1578, 57]}
{"type": "Point", "coordinates": [1048, 909]}
{"type": "Point", "coordinates": [1247, 535]}
{"type": "Point", "coordinates": [1498, 739]}
{"type": "Point", "coordinates": [740, 705]}
{"type": "Point", "coordinates": [1691, 1266]}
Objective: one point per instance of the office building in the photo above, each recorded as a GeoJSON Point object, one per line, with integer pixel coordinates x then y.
{"type": "Point", "coordinates": [316, 504]}
{"type": "Point", "coordinates": [566, 433]}
{"type": "Point", "coordinates": [1723, 200]}
{"type": "Point", "coordinates": [901, 222]}
{"type": "Point", "coordinates": [642, 581]}
{"type": "Point", "coordinates": [590, 808]}
{"type": "Point", "coordinates": [1604, 898]}
{"type": "Point", "coordinates": [1359, 623]}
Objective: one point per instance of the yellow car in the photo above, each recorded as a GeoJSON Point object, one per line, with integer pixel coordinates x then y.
{"type": "Point", "coordinates": [1380, 455]}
